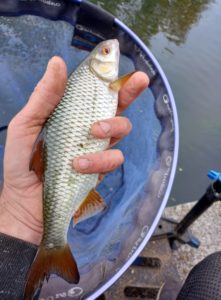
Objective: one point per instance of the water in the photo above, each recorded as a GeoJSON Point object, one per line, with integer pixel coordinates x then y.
{"type": "Point", "coordinates": [185, 38]}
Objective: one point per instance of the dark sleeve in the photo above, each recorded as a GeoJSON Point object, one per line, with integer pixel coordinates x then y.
{"type": "Point", "coordinates": [16, 257]}
{"type": "Point", "coordinates": [204, 281]}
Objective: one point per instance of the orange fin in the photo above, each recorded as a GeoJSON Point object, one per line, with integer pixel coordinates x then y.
{"type": "Point", "coordinates": [56, 260]}
{"type": "Point", "coordinates": [37, 161]}
{"type": "Point", "coordinates": [117, 84]}
{"type": "Point", "coordinates": [92, 205]}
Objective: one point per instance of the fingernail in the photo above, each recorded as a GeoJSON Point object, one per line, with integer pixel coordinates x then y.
{"type": "Point", "coordinates": [83, 163]}
{"type": "Point", "coordinates": [105, 127]}
{"type": "Point", "coordinates": [54, 63]}
{"type": "Point", "coordinates": [49, 62]}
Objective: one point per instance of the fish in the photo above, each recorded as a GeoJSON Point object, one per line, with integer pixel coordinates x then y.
{"type": "Point", "coordinates": [91, 95]}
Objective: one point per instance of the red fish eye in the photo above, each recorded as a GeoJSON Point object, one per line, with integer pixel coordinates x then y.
{"type": "Point", "coordinates": [105, 51]}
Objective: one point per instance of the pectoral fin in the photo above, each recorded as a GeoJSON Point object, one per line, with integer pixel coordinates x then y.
{"type": "Point", "coordinates": [92, 205]}
{"type": "Point", "coordinates": [117, 84]}
{"type": "Point", "coordinates": [37, 161]}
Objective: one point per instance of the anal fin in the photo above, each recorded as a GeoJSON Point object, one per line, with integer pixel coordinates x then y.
{"type": "Point", "coordinates": [92, 205]}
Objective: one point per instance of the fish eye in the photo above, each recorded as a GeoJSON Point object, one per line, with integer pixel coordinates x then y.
{"type": "Point", "coordinates": [105, 50]}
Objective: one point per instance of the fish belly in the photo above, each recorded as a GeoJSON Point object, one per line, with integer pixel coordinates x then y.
{"type": "Point", "coordinates": [87, 99]}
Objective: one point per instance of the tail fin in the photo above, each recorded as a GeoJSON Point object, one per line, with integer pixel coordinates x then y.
{"type": "Point", "coordinates": [57, 260]}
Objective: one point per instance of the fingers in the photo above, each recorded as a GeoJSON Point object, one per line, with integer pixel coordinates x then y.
{"type": "Point", "coordinates": [46, 95]}
{"type": "Point", "coordinates": [105, 161]}
{"type": "Point", "coordinates": [117, 127]}
{"type": "Point", "coordinates": [114, 128]}
{"type": "Point", "coordinates": [131, 90]}
{"type": "Point", "coordinates": [100, 162]}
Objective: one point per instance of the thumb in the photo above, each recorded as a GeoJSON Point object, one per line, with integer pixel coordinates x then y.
{"type": "Point", "coordinates": [45, 96]}
{"type": "Point", "coordinates": [26, 125]}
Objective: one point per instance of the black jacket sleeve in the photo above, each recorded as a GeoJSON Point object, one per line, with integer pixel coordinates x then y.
{"type": "Point", "coordinates": [16, 257]}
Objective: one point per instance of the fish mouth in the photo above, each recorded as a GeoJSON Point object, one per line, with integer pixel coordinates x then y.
{"type": "Point", "coordinates": [111, 42]}
{"type": "Point", "coordinates": [117, 45]}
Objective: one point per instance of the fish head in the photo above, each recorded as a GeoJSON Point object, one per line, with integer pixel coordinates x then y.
{"type": "Point", "coordinates": [104, 60]}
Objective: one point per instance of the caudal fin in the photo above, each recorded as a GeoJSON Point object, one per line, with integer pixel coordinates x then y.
{"type": "Point", "coordinates": [56, 260]}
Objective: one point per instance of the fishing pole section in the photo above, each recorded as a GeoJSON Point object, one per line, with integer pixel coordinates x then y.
{"type": "Point", "coordinates": [178, 232]}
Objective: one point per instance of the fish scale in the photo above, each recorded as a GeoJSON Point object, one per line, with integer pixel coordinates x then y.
{"type": "Point", "coordinates": [68, 136]}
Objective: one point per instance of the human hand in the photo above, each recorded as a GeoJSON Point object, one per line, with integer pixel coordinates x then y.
{"type": "Point", "coordinates": [21, 197]}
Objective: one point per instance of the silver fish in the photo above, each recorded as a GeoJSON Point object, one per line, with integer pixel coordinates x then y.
{"type": "Point", "coordinates": [91, 95]}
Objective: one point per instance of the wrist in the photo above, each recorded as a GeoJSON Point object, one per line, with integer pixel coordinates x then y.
{"type": "Point", "coordinates": [18, 223]}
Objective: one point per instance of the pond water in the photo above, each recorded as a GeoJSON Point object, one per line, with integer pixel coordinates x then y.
{"type": "Point", "coordinates": [185, 37]}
